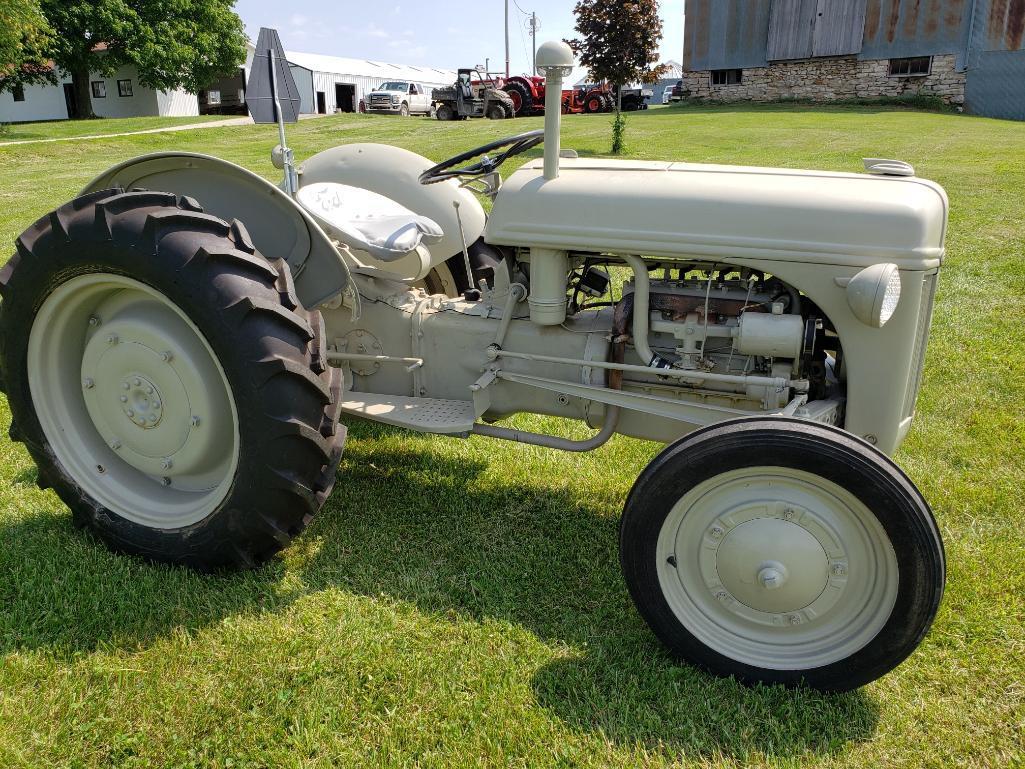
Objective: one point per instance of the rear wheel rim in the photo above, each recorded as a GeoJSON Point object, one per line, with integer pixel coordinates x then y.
{"type": "Point", "coordinates": [132, 400]}
{"type": "Point", "coordinates": [777, 568]}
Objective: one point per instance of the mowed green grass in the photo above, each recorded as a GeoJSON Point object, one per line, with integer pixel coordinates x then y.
{"type": "Point", "coordinates": [459, 602]}
{"type": "Point", "coordinates": [66, 129]}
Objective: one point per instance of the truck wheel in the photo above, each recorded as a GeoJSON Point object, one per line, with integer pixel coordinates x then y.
{"type": "Point", "coordinates": [445, 112]}
{"type": "Point", "coordinates": [404, 110]}
{"type": "Point", "coordinates": [495, 111]}
{"type": "Point", "coordinates": [782, 551]}
{"type": "Point", "coordinates": [166, 381]}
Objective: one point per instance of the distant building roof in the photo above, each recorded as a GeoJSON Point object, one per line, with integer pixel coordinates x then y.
{"type": "Point", "coordinates": [340, 65]}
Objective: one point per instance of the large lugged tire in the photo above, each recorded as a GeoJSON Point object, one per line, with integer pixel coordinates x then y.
{"type": "Point", "coordinates": [166, 380]}
{"type": "Point", "coordinates": [522, 99]}
{"type": "Point", "coordinates": [782, 551]}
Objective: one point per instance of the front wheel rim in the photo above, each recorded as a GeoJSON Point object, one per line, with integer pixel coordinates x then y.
{"type": "Point", "coordinates": [777, 568]}
{"type": "Point", "coordinates": [132, 400]}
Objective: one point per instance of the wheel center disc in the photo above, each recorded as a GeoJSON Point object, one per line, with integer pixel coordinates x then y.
{"type": "Point", "coordinates": [772, 565]}
{"type": "Point", "coordinates": [141, 401]}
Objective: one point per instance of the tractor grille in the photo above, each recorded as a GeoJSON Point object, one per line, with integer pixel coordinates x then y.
{"type": "Point", "coordinates": [921, 341]}
{"type": "Point", "coordinates": [380, 100]}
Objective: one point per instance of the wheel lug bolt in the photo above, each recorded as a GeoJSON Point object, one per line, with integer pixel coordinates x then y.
{"type": "Point", "coordinates": [124, 399]}
{"type": "Point", "coordinates": [115, 445]}
{"type": "Point", "coordinates": [166, 356]}
{"type": "Point", "coordinates": [94, 320]}
{"type": "Point", "coordinates": [152, 418]}
{"type": "Point", "coordinates": [88, 383]}
{"type": "Point", "coordinates": [112, 339]}
{"type": "Point", "coordinates": [130, 413]}
{"type": "Point", "coordinates": [794, 619]}
{"type": "Point", "coordinates": [167, 464]}
{"type": "Point", "coordinates": [149, 390]}
{"type": "Point", "coordinates": [717, 532]}
{"type": "Point", "coordinates": [125, 385]}
{"type": "Point", "coordinates": [195, 421]}
{"type": "Point", "coordinates": [722, 595]}
{"type": "Point", "coordinates": [839, 570]}
{"type": "Point", "coordinates": [137, 381]}
{"type": "Point", "coordinates": [166, 481]}
{"type": "Point", "coordinates": [788, 514]}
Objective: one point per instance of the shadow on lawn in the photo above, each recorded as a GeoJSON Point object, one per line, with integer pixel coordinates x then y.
{"type": "Point", "coordinates": [407, 522]}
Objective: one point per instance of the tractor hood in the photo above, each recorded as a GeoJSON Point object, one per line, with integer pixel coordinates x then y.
{"type": "Point", "coordinates": [689, 210]}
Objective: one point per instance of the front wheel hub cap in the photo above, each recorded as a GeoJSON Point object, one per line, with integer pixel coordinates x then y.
{"type": "Point", "coordinates": [772, 565]}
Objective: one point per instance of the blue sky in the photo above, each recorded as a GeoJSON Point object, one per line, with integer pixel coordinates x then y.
{"type": "Point", "coordinates": [439, 33]}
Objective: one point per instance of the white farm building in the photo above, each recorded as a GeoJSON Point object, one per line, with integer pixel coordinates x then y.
{"type": "Point", "coordinates": [327, 84]}
{"type": "Point", "coordinates": [334, 84]}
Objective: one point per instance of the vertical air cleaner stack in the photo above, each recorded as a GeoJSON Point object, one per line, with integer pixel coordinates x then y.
{"type": "Point", "coordinates": [548, 267]}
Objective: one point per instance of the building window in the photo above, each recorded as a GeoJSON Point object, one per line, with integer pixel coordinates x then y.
{"type": "Point", "coordinates": [727, 76]}
{"type": "Point", "coordinates": [99, 89]}
{"type": "Point", "coordinates": [919, 66]}
{"type": "Point", "coordinates": [124, 87]}
{"type": "Point", "coordinates": [18, 92]}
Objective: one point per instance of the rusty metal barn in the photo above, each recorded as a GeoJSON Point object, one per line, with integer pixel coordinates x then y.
{"type": "Point", "coordinates": [968, 53]}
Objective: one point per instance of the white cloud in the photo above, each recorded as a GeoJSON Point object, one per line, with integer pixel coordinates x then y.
{"type": "Point", "coordinates": [298, 20]}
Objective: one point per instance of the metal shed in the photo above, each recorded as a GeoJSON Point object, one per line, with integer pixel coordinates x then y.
{"type": "Point", "coordinates": [336, 79]}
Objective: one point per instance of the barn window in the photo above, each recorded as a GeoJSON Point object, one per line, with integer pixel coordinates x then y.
{"type": "Point", "coordinates": [727, 76]}
{"type": "Point", "coordinates": [124, 87]}
{"type": "Point", "coordinates": [99, 89]}
{"type": "Point", "coordinates": [919, 66]}
{"type": "Point", "coordinates": [18, 92]}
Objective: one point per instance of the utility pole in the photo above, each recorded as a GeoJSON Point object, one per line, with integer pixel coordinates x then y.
{"type": "Point", "coordinates": [506, 39]}
{"type": "Point", "coordinates": [533, 41]}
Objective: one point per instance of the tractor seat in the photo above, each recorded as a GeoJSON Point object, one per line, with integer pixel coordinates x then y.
{"type": "Point", "coordinates": [368, 221]}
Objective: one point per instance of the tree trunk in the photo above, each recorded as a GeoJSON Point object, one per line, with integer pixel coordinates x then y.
{"type": "Point", "coordinates": [83, 93]}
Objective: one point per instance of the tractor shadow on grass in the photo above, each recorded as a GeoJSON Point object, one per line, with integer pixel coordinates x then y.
{"type": "Point", "coordinates": [461, 536]}
{"type": "Point", "coordinates": [461, 539]}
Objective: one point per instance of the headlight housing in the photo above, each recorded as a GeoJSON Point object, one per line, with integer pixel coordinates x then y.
{"type": "Point", "coordinates": [874, 293]}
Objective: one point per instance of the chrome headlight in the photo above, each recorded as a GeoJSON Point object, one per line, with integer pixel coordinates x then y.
{"type": "Point", "coordinates": [874, 293]}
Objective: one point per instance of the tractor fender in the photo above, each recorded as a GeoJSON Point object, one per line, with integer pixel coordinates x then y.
{"type": "Point", "coordinates": [394, 172]}
{"type": "Point", "coordinates": [278, 226]}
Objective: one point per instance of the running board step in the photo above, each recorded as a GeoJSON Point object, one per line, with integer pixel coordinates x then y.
{"type": "Point", "coordinates": [426, 415]}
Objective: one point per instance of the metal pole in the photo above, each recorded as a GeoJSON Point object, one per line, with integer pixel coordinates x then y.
{"type": "Point", "coordinates": [507, 39]}
{"type": "Point", "coordinates": [533, 39]}
{"type": "Point", "coordinates": [286, 155]}
{"type": "Point", "coordinates": [553, 121]}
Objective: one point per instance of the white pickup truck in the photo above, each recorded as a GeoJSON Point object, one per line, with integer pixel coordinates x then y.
{"type": "Point", "coordinates": [399, 97]}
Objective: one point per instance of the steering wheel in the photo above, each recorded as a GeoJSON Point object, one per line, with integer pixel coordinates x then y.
{"type": "Point", "coordinates": [447, 168]}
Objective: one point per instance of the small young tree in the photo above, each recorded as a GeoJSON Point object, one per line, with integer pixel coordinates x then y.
{"type": "Point", "coordinates": [180, 44]}
{"type": "Point", "coordinates": [619, 43]}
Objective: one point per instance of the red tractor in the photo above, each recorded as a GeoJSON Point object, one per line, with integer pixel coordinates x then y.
{"type": "Point", "coordinates": [528, 97]}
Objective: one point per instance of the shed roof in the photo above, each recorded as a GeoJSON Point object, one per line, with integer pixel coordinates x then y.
{"type": "Point", "coordinates": [340, 65]}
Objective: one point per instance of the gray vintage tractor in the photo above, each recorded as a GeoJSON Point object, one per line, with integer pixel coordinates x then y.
{"type": "Point", "coordinates": [469, 97]}
{"type": "Point", "coordinates": [180, 342]}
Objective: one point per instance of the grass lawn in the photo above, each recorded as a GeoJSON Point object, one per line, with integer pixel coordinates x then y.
{"type": "Point", "coordinates": [459, 603]}
{"type": "Point", "coordinates": [67, 129]}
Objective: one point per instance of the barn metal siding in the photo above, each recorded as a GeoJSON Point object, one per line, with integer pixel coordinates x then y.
{"type": "Point", "coordinates": [839, 27]}
{"type": "Point", "coordinates": [902, 28]}
{"type": "Point", "coordinates": [996, 85]}
{"type": "Point", "coordinates": [996, 60]}
{"type": "Point", "coordinates": [725, 34]}
{"type": "Point", "coordinates": [791, 29]}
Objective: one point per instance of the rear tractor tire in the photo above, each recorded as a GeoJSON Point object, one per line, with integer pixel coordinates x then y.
{"type": "Point", "coordinates": [522, 99]}
{"type": "Point", "coordinates": [495, 111]}
{"type": "Point", "coordinates": [166, 380]}
{"type": "Point", "coordinates": [445, 112]}
{"type": "Point", "coordinates": [782, 551]}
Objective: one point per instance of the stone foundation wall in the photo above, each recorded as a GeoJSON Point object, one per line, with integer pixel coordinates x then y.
{"type": "Point", "coordinates": [829, 79]}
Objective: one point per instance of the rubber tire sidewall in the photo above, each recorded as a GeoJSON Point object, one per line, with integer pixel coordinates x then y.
{"type": "Point", "coordinates": [830, 453]}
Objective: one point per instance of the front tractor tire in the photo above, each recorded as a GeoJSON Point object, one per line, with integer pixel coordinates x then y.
{"type": "Point", "coordinates": [782, 551]}
{"type": "Point", "coordinates": [166, 380]}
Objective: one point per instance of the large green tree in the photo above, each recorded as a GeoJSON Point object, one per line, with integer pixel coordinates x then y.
{"type": "Point", "coordinates": [618, 43]}
{"type": "Point", "coordinates": [172, 43]}
{"type": "Point", "coordinates": [24, 35]}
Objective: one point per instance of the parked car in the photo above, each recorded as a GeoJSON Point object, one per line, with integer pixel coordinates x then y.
{"type": "Point", "coordinates": [399, 97]}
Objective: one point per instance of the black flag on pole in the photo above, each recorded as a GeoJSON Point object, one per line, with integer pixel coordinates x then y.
{"type": "Point", "coordinates": [259, 96]}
